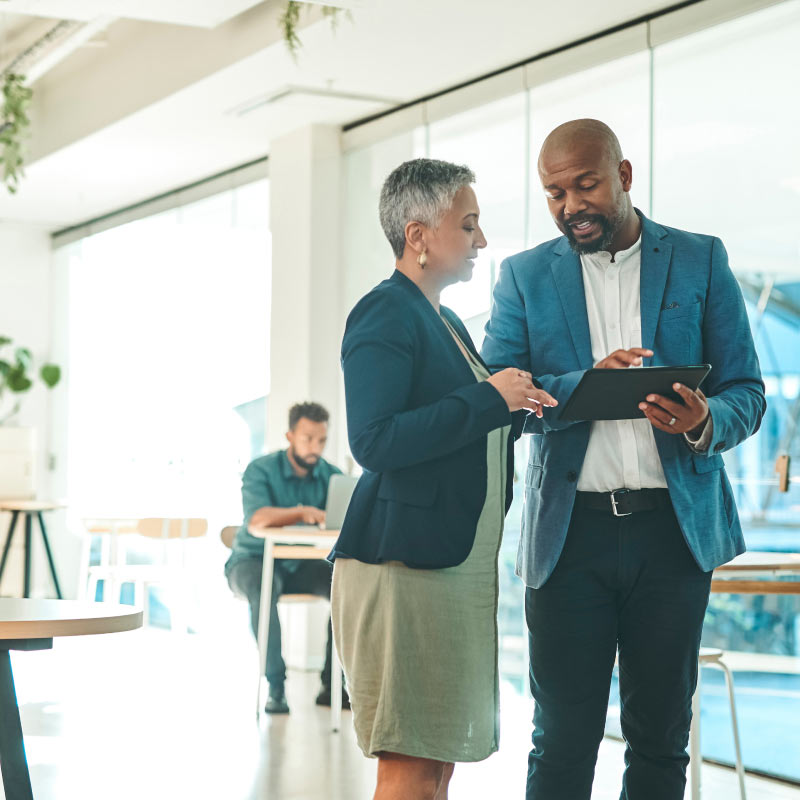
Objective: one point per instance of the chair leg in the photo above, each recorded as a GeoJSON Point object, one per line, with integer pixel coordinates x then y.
{"type": "Point", "coordinates": [178, 619]}
{"type": "Point", "coordinates": [139, 592]}
{"type": "Point", "coordinates": [695, 756]}
{"type": "Point", "coordinates": [145, 604]}
{"type": "Point", "coordinates": [735, 726]}
{"type": "Point", "coordinates": [91, 588]}
{"type": "Point", "coordinates": [111, 589]}
{"type": "Point", "coordinates": [336, 690]}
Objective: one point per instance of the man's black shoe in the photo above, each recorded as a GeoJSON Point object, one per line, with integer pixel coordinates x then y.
{"type": "Point", "coordinates": [324, 697]}
{"type": "Point", "coordinates": [276, 702]}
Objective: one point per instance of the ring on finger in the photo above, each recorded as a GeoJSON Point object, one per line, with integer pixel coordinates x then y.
{"type": "Point", "coordinates": [672, 421]}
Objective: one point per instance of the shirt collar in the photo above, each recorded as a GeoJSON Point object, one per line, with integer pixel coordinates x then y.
{"type": "Point", "coordinates": [602, 258]}
{"type": "Point", "coordinates": [287, 470]}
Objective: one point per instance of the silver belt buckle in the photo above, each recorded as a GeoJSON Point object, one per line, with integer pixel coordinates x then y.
{"type": "Point", "coordinates": [614, 502]}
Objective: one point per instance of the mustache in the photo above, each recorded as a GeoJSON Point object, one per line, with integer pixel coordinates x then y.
{"type": "Point", "coordinates": [577, 220]}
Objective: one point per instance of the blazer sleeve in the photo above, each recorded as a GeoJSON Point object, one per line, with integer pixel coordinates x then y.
{"type": "Point", "coordinates": [378, 360]}
{"type": "Point", "coordinates": [734, 388]}
{"type": "Point", "coordinates": [507, 345]}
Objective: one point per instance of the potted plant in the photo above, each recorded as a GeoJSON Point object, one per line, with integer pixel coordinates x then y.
{"type": "Point", "coordinates": [18, 444]}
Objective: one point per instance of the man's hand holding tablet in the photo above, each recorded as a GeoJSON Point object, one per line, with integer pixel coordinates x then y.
{"type": "Point", "coordinates": [663, 413]}
{"type": "Point", "coordinates": [671, 417]}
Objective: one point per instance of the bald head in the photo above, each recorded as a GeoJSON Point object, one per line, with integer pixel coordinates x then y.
{"type": "Point", "coordinates": [587, 182]}
{"type": "Point", "coordinates": [579, 134]}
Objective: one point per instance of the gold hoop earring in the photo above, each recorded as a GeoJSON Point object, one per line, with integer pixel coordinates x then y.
{"type": "Point", "coordinates": [422, 259]}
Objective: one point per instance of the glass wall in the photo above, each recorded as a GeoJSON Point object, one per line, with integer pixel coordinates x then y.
{"type": "Point", "coordinates": [710, 127]}
{"type": "Point", "coordinates": [167, 362]}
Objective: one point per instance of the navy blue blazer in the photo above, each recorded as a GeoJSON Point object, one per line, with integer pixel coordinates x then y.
{"type": "Point", "coordinates": [417, 423]}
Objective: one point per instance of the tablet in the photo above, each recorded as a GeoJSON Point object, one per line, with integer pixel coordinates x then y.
{"type": "Point", "coordinates": [616, 393]}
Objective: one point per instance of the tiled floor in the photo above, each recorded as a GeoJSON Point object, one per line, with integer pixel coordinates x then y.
{"type": "Point", "coordinates": [153, 715]}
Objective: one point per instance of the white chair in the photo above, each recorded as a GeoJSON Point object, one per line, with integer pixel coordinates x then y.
{"type": "Point", "coordinates": [711, 657]}
{"type": "Point", "coordinates": [227, 535]}
{"type": "Point", "coordinates": [114, 571]}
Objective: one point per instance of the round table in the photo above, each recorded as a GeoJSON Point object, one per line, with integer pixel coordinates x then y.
{"type": "Point", "coordinates": [27, 624]}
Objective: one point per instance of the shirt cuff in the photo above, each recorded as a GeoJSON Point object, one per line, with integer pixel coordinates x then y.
{"type": "Point", "coordinates": [701, 444]}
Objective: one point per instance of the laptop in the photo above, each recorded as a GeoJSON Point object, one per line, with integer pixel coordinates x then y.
{"type": "Point", "coordinates": [340, 490]}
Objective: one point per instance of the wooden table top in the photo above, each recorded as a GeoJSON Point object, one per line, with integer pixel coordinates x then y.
{"type": "Point", "coordinates": [755, 561]}
{"type": "Point", "coordinates": [31, 505]}
{"type": "Point", "coordinates": [43, 619]}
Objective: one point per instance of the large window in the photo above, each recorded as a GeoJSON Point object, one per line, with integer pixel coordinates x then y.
{"type": "Point", "coordinates": [167, 368]}
{"type": "Point", "coordinates": [710, 127]}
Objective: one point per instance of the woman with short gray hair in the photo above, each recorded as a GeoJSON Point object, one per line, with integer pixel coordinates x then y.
{"type": "Point", "coordinates": [414, 597]}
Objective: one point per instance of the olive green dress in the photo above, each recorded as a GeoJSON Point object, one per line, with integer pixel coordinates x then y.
{"type": "Point", "coordinates": [419, 646]}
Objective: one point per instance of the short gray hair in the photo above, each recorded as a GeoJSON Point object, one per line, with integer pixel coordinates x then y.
{"type": "Point", "coordinates": [421, 190]}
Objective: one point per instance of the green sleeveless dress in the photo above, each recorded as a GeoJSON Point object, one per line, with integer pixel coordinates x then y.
{"type": "Point", "coordinates": [419, 647]}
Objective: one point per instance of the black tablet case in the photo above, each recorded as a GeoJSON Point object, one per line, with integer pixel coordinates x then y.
{"type": "Point", "coordinates": [616, 393]}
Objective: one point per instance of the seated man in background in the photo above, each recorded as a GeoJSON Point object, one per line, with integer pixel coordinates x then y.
{"type": "Point", "coordinates": [287, 487]}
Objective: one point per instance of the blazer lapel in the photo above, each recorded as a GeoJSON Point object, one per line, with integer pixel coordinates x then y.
{"type": "Point", "coordinates": [463, 333]}
{"type": "Point", "coordinates": [655, 258]}
{"type": "Point", "coordinates": [437, 326]}
{"type": "Point", "coordinates": [568, 277]}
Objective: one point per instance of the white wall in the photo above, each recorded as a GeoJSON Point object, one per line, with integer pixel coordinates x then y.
{"type": "Point", "coordinates": [305, 169]}
{"type": "Point", "coordinates": [26, 314]}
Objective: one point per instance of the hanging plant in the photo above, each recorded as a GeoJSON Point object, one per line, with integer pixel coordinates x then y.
{"type": "Point", "coordinates": [17, 376]}
{"type": "Point", "coordinates": [290, 20]}
{"type": "Point", "coordinates": [14, 124]}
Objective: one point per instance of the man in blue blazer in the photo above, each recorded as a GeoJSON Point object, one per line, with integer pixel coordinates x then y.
{"type": "Point", "coordinates": [624, 520]}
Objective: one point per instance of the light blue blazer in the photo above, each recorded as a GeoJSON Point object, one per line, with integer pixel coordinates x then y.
{"type": "Point", "coordinates": [692, 313]}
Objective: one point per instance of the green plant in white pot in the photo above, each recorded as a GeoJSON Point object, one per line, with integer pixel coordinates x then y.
{"type": "Point", "coordinates": [18, 444]}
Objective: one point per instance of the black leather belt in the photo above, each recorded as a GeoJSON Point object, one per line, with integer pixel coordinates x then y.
{"type": "Point", "coordinates": [622, 502]}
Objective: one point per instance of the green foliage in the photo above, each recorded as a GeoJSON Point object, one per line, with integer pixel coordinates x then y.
{"type": "Point", "coordinates": [290, 20]}
{"type": "Point", "coordinates": [15, 377]}
{"type": "Point", "coordinates": [14, 124]}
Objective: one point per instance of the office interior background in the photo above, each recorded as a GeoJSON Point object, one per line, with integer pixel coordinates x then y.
{"type": "Point", "coordinates": [197, 216]}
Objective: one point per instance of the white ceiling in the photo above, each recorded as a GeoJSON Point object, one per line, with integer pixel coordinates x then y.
{"type": "Point", "coordinates": [393, 49]}
{"type": "Point", "coordinates": [202, 13]}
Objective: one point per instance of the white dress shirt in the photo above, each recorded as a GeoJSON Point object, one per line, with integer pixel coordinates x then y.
{"type": "Point", "coordinates": [621, 453]}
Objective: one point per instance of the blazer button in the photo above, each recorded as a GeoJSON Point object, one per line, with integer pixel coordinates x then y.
{"type": "Point", "coordinates": [719, 447]}
{"type": "Point", "coordinates": [572, 476]}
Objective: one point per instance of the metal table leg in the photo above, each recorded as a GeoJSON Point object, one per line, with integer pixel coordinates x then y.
{"type": "Point", "coordinates": [263, 618]}
{"type": "Point", "coordinates": [9, 537]}
{"type": "Point", "coordinates": [13, 762]}
{"type": "Point", "coordinates": [26, 592]}
{"type": "Point", "coordinates": [49, 555]}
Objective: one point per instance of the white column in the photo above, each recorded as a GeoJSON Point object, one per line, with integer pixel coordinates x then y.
{"type": "Point", "coordinates": [306, 324]}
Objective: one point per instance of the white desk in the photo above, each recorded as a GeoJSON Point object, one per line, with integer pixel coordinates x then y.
{"type": "Point", "coordinates": [288, 543]}
{"type": "Point", "coordinates": [31, 625]}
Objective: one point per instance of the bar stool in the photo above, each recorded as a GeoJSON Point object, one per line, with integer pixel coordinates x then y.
{"type": "Point", "coordinates": [711, 657]}
{"type": "Point", "coordinates": [30, 509]}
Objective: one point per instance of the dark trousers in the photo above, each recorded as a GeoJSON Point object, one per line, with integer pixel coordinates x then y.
{"type": "Point", "coordinates": [310, 577]}
{"type": "Point", "coordinates": [628, 583]}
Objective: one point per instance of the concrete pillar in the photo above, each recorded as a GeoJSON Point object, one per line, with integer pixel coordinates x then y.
{"type": "Point", "coordinates": [306, 324]}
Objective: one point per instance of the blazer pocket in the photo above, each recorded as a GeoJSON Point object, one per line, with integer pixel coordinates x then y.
{"type": "Point", "coordinates": [680, 312]}
{"type": "Point", "coordinates": [704, 463]}
{"type": "Point", "coordinates": [533, 477]}
{"type": "Point", "coordinates": [419, 493]}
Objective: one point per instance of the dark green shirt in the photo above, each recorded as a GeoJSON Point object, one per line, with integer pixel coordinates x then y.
{"type": "Point", "coordinates": [271, 481]}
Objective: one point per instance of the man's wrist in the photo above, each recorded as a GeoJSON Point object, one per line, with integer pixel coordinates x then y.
{"type": "Point", "coordinates": [696, 433]}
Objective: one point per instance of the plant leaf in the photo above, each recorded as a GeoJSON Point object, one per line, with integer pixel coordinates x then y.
{"type": "Point", "coordinates": [17, 380]}
{"type": "Point", "coordinates": [5, 367]}
{"type": "Point", "coordinates": [50, 374]}
{"type": "Point", "coordinates": [4, 340]}
{"type": "Point", "coordinates": [23, 356]}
